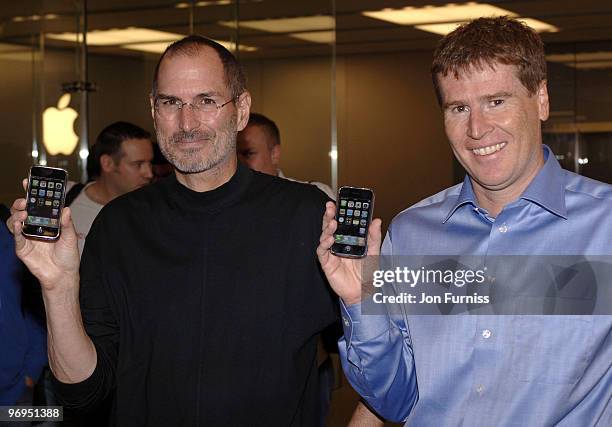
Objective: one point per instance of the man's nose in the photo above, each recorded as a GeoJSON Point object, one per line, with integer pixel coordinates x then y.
{"type": "Point", "coordinates": [188, 118]}
{"type": "Point", "coordinates": [478, 124]}
{"type": "Point", "coordinates": [147, 171]}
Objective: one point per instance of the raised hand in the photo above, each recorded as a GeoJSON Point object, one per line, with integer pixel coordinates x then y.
{"type": "Point", "coordinates": [344, 274]}
{"type": "Point", "coordinates": [54, 263]}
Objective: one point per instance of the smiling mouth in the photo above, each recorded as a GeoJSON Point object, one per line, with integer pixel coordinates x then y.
{"type": "Point", "coordinates": [485, 151]}
{"type": "Point", "coordinates": [193, 141]}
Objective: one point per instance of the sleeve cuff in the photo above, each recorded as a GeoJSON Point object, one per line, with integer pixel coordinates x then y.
{"type": "Point", "coordinates": [74, 394]}
{"type": "Point", "coordinates": [360, 328]}
{"type": "Point", "coordinates": [87, 394]}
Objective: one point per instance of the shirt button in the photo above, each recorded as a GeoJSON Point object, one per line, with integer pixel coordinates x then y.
{"type": "Point", "coordinates": [479, 388]}
{"type": "Point", "coordinates": [346, 322]}
{"type": "Point", "coordinates": [503, 228]}
{"type": "Point", "coordinates": [486, 334]}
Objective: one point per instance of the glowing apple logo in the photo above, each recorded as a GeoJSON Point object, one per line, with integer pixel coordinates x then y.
{"type": "Point", "coordinates": [58, 128]}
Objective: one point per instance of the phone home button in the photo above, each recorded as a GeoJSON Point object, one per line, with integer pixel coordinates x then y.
{"type": "Point", "coordinates": [40, 230]}
{"type": "Point", "coordinates": [347, 248]}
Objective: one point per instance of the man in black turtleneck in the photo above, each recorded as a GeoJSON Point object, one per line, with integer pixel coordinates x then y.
{"type": "Point", "coordinates": [200, 296]}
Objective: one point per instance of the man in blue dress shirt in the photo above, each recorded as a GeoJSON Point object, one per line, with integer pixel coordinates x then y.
{"type": "Point", "coordinates": [507, 370]}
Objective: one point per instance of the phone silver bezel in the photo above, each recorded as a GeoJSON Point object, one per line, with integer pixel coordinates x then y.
{"type": "Point", "coordinates": [63, 200]}
{"type": "Point", "coordinates": [365, 252]}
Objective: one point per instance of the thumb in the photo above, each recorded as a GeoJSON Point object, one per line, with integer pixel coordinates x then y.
{"type": "Point", "coordinates": [67, 226]}
{"type": "Point", "coordinates": [374, 237]}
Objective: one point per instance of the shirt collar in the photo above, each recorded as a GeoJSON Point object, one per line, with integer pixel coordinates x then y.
{"type": "Point", "coordinates": [465, 196]}
{"type": "Point", "coordinates": [546, 189]}
{"type": "Point", "coordinates": [227, 194]}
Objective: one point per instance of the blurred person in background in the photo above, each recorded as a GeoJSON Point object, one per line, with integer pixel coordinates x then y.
{"type": "Point", "coordinates": [120, 162]}
{"type": "Point", "coordinates": [259, 148]}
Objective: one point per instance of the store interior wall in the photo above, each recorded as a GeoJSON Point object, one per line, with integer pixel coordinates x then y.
{"type": "Point", "coordinates": [296, 94]}
{"type": "Point", "coordinates": [390, 130]}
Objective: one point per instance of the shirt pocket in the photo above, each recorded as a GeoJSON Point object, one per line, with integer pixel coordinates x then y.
{"type": "Point", "coordinates": [552, 349]}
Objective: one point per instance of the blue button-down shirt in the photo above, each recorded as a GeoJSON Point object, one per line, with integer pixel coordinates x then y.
{"type": "Point", "coordinates": [491, 370]}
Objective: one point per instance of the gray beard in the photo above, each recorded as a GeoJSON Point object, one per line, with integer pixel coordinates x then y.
{"type": "Point", "coordinates": [191, 161]}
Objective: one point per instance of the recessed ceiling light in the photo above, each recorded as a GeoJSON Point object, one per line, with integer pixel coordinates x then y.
{"type": "Point", "coordinates": [185, 5]}
{"type": "Point", "coordinates": [160, 47]}
{"type": "Point", "coordinates": [152, 47]}
{"type": "Point", "coordinates": [539, 26]}
{"type": "Point", "coordinates": [212, 3]}
{"type": "Point", "coordinates": [444, 19]}
{"type": "Point", "coordinates": [437, 14]}
{"type": "Point", "coordinates": [119, 36]}
{"type": "Point", "coordinates": [442, 29]}
{"type": "Point", "coordinates": [134, 38]}
{"type": "Point", "coordinates": [287, 25]}
{"type": "Point", "coordinates": [323, 37]}
{"type": "Point", "coordinates": [48, 16]}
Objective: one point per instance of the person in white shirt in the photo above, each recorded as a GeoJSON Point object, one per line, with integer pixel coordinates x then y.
{"type": "Point", "coordinates": [120, 162]}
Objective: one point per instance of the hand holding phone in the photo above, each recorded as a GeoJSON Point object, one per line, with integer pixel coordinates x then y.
{"type": "Point", "coordinates": [344, 273]}
{"type": "Point", "coordinates": [55, 262]}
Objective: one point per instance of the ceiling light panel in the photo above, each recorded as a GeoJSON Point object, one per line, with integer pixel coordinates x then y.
{"type": "Point", "coordinates": [323, 37]}
{"type": "Point", "coordinates": [437, 14]}
{"type": "Point", "coordinates": [444, 19]}
{"type": "Point", "coordinates": [286, 25]}
{"type": "Point", "coordinates": [185, 5]}
{"type": "Point", "coordinates": [119, 36]}
{"type": "Point", "coordinates": [442, 29]}
{"type": "Point", "coordinates": [160, 47]}
{"type": "Point", "coordinates": [539, 26]}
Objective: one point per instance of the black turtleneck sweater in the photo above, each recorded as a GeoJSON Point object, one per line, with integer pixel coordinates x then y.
{"type": "Point", "coordinates": [205, 307]}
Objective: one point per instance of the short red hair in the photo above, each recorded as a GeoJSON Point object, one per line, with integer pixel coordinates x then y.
{"type": "Point", "coordinates": [489, 41]}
